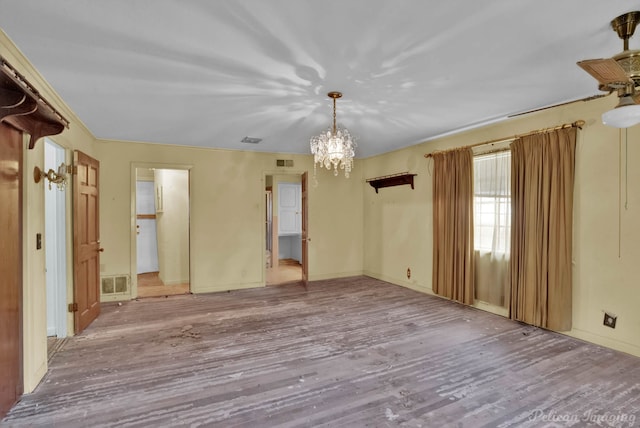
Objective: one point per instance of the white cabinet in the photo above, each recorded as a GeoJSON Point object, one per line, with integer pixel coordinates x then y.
{"type": "Point", "coordinates": [289, 221]}
{"type": "Point", "coordinates": [289, 212]}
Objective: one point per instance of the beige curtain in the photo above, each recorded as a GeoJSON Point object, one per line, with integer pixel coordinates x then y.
{"type": "Point", "coordinates": [453, 225]}
{"type": "Point", "coordinates": [542, 175]}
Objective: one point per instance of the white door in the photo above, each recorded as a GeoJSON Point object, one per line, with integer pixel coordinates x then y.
{"type": "Point", "coordinates": [146, 242]}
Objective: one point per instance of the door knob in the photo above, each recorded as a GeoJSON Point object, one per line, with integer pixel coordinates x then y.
{"type": "Point", "coordinates": [100, 250]}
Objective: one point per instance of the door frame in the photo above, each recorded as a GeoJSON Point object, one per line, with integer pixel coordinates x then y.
{"type": "Point", "coordinates": [133, 236]}
{"type": "Point", "coordinates": [56, 243]}
{"type": "Point", "coordinates": [305, 254]}
{"type": "Point", "coordinates": [304, 202]}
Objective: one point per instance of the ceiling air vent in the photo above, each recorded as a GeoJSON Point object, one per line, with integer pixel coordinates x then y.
{"type": "Point", "coordinates": [251, 140]}
{"type": "Point", "coordinates": [284, 162]}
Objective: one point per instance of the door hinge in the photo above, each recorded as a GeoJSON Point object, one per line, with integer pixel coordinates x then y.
{"type": "Point", "coordinates": [72, 169]}
{"type": "Point", "coordinates": [73, 307]}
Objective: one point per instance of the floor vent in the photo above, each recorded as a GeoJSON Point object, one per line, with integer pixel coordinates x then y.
{"type": "Point", "coordinates": [116, 284]}
{"type": "Point", "coordinates": [284, 162]}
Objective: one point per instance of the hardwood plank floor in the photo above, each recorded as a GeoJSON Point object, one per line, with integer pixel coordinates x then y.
{"type": "Point", "coordinates": [283, 274]}
{"type": "Point", "coordinates": [150, 285]}
{"type": "Point", "coordinates": [354, 352]}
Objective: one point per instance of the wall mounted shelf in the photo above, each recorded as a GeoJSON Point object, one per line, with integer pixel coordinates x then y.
{"type": "Point", "coordinates": [392, 180]}
{"type": "Point", "coordinates": [22, 106]}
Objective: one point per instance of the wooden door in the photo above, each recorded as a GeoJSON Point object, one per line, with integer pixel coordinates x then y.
{"type": "Point", "coordinates": [305, 236]}
{"type": "Point", "coordinates": [11, 386]}
{"type": "Point", "coordinates": [86, 241]}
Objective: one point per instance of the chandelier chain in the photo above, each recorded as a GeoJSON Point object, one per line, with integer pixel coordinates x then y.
{"type": "Point", "coordinates": [334, 115]}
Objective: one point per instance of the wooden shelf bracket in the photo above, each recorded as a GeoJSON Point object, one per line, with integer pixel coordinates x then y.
{"type": "Point", "coordinates": [22, 106]}
{"type": "Point", "coordinates": [391, 180]}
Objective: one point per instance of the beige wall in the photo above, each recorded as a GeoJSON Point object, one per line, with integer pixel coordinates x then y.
{"type": "Point", "coordinates": [227, 213]}
{"type": "Point", "coordinates": [398, 220]}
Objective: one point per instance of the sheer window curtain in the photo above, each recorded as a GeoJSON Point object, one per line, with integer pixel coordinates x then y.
{"type": "Point", "coordinates": [543, 167]}
{"type": "Point", "coordinates": [492, 224]}
{"type": "Point", "coordinates": [453, 225]}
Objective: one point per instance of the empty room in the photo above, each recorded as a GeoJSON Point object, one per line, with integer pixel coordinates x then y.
{"type": "Point", "coordinates": [349, 213]}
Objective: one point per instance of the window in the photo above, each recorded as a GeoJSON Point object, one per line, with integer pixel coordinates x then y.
{"type": "Point", "coordinates": [492, 201]}
{"type": "Point", "coordinates": [492, 226]}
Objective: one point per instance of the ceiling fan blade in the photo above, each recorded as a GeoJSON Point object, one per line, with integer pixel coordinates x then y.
{"type": "Point", "coordinates": [606, 71]}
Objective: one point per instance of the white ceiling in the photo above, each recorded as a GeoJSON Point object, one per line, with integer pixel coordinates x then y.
{"type": "Point", "coordinates": [208, 73]}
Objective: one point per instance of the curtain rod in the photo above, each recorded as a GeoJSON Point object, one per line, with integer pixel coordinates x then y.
{"type": "Point", "coordinates": [576, 124]}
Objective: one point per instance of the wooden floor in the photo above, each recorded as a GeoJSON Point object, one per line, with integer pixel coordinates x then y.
{"type": "Point", "coordinates": [53, 346]}
{"type": "Point", "coordinates": [284, 273]}
{"type": "Point", "coordinates": [150, 285]}
{"type": "Point", "coordinates": [354, 352]}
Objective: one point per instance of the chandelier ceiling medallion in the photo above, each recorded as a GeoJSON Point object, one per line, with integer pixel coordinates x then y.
{"type": "Point", "coordinates": [334, 147]}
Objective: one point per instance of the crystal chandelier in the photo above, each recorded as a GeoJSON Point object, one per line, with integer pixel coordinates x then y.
{"type": "Point", "coordinates": [334, 147]}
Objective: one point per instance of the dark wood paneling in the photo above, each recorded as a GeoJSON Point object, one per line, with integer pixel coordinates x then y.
{"type": "Point", "coordinates": [10, 266]}
{"type": "Point", "coordinates": [353, 352]}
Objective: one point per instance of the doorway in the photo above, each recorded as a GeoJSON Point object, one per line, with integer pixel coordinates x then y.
{"type": "Point", "coordinates": [56, 246]}
{"type": "Point", "coordinates": [161, 218]}
{"type": "Point", "coordinates": [284, 254]}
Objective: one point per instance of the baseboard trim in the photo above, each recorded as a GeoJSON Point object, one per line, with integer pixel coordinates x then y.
{"type": "Point", "coordinates": [407, 284]}
{"type": "Point", "coordinates": [115, 298]}
{"type": "Point", "coordinates": [323, 277]}
{"type": "Point", "coordinates": [225, 287]}
{"type": "Point", "coordinates": [603, 341]}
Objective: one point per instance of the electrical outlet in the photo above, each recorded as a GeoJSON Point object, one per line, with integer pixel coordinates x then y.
{"type": "Point", "coordinates": [609, 320]}
{"type": "Point", "coordinates": [408, 273]}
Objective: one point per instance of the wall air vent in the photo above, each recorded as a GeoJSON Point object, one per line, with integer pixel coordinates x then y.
{"type": "Point", "coordinates": [117, 284]}
{"type": "Point", "coordinates": [284, 162]}
{"type": "Point", "coordinates": [251, 140]}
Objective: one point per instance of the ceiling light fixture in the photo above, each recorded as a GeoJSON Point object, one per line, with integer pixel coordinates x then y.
{"type": "Point", "coordinates": [621, 74]}
{"type": "Point", "coordinates": [624, 115]}
{"type": "Point", "coordinates": [335, 147]}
